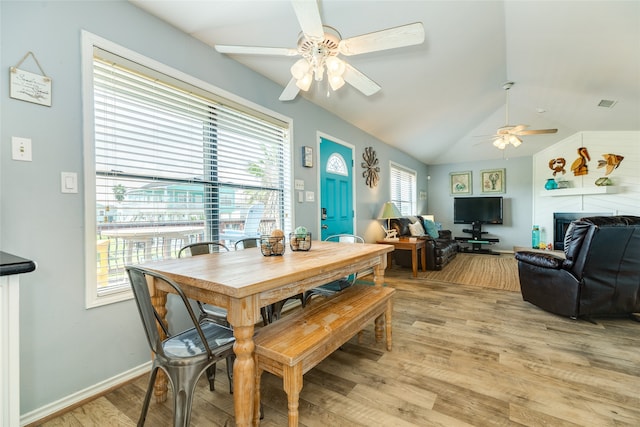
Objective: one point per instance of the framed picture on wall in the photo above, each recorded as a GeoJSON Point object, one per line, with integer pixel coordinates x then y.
{"type": "Point", "coordinates": [493, 181]}
{"type": "Point", "coordinates": [460, 183]}
{"type": "Point", "coordinates": [307, 157]}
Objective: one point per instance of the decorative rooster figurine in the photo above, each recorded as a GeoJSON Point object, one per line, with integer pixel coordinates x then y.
{"type": "Point", "coordinates": [611, 162]}
{"type": "Point", "coordinates": [579, 165]}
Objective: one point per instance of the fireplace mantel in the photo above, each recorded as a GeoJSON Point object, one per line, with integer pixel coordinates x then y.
{"type": "Point", "coordinates": [583, 191]}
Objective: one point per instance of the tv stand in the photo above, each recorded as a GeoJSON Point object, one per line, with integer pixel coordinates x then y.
{"type": "Point", "coordinates": [476, 241]}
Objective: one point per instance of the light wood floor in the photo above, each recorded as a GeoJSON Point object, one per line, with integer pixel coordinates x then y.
{"type": "Point", "coordinates": [462, 355]}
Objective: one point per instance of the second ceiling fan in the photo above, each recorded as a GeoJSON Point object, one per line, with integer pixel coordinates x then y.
{"type": "Point", "coordinates": [319, 46]}
{"type": "Point", "coordinates": [510, 134]}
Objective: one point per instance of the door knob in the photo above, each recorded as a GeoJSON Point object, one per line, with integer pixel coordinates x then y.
{"type": "Point", "coordinates": [325, 226]}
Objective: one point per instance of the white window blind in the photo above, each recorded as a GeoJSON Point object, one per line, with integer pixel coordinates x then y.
{"type": "Point", "coordinates": [403, 189]}
{"type": "Point", "coordinates": [175, 164]}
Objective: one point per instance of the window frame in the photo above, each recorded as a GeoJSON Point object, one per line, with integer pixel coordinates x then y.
{"type": "Point", "coordinates": [89, 42]}
{"type": "Point", "coordinates": [399, 202]}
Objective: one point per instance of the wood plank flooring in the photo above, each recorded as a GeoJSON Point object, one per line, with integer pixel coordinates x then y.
{"type": "Point", "coordinates": [462, 355]}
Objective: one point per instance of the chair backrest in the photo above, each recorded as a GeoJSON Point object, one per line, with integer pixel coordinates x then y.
{"type": "Point", "coordinates": [201, 248]}
{"type": "Point", "coordinates": [344, 238]}
{"type": "Point", "coordinates": [148, 314]}
{"type": "Point", "coordinates": [250, 242]}
{"type": "Point", "coordinates": [603, 253]}
{"type": "Point", "coordinates": [252, 221]}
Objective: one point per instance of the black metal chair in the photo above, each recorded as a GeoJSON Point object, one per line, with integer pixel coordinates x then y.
{"type": "Point", "coordinates": [337, 285]}
{"type": "Point", "coordinates": [249, 242]}
{"type": "Point", "coordinates": [183, 356]}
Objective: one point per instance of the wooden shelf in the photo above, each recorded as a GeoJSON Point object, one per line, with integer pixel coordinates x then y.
{"type": "Point", "coordinates": [583, 191]}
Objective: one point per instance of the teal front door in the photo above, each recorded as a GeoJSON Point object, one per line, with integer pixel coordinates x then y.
{"type": "Point", "coordinates": [336, 188]}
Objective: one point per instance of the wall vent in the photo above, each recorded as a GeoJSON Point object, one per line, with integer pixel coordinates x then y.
{"type": "Point", "coordinates": [606, 103]}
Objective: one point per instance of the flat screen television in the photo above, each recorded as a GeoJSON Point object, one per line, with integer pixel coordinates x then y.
{"type": "Point", "coordinates": [477, 210]}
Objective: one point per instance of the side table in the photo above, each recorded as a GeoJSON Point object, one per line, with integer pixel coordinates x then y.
{"type": "Point", "coordinates": [408, 245]}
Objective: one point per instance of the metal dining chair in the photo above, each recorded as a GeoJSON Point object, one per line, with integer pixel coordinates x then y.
{"type": "Point", "coordinates": [337, 285]}
{"type": "Point", "coordinates": [249, 242]}
{"type": "Point", "coordinates": [210, 312]}
{"type": "Point", "coordinates": [213, 313]}
{"type": "Point", "coordinates": [183, 356]}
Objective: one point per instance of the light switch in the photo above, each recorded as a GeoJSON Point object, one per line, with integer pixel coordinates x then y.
{"type": "Point", "coordinates": [21, 149]}
{"type": "Point", "coordinates": [310, 196]}
{"type": "Point", "coordinates": [299, 184]}
{"type": "Point", "coordinates": [69, 182]}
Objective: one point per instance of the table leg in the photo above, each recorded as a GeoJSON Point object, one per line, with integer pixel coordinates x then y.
{"type": "Point", "coordinates": [244, 370]}
{"type": "Point", "coordinates": [378, 271]}
{"type": "Point", "coordinates": [159, 301]}
{"type": "Point", "coordinates": [378, 280]}
{"type": "Point", "coordinates": [414, 260]}
{"type": "Point", "coordinates": [424, 257]}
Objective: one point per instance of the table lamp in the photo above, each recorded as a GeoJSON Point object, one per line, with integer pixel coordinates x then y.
{"type": "Point", "coordinates": [388, 211]}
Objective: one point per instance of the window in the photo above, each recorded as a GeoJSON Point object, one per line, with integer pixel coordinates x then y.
{"type": "Point", "coordinates": [403, 189]}
{"type": "Point", "coordinates": [172, 163]}
{"type": "Point", "coordinates": [337, 165]}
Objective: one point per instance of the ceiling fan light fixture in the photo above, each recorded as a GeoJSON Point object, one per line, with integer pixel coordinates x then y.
{"type": "Point", "coordinates": [300, 68]}
{"type": "Point", "coordinates": [304, 83]}
{"type": "Point", "coordinates": [336, 82]}
{"type": "Point", "coordinates": [515, 141]}
{"type": "Point", "coordinates": [335, 66]}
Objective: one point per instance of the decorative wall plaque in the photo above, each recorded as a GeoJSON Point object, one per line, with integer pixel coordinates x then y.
{"type": "Point", "coordinates": [371, 167]}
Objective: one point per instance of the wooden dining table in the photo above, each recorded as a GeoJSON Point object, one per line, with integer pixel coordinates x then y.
{"type": "Point", "coordinates": [244, 281]}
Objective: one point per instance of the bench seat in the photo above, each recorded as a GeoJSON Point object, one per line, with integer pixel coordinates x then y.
{"type": "Point", "coordinates": [293, 346]}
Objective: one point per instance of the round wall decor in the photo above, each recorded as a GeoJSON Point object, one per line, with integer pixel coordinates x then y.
{"type": "Point", "coordinates": [371, 168]}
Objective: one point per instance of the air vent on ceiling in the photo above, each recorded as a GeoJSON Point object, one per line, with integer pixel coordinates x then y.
{"type": "Point", "coordinates": [606, 103]}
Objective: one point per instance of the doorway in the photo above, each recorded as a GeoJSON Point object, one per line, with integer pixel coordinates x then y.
{"type": "Point", "coordinates": [336, 188]}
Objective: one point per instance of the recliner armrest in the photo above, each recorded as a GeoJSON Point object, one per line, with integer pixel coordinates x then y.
{"type": "Point", "coordinates": [540, 259]}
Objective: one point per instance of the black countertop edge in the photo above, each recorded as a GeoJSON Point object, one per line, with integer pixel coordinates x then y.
{"type": "Point", "coordinates": [12, 264]}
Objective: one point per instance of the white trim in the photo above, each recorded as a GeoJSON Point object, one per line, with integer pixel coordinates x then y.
{"type": "Point", "coordinates": [9, 349]}
{"type": "Point", "coordinates": [89, 392]}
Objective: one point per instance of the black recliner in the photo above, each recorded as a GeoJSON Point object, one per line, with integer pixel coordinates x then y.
{"type": "Point", "coordinates": [599, 276]}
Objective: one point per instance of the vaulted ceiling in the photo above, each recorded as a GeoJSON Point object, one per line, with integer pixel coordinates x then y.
{"type": "Point", "coordinates": [442, 100]}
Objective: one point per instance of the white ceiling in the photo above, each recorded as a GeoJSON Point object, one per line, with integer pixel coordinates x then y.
{"type": "Point", "coordinates": [438, 98]}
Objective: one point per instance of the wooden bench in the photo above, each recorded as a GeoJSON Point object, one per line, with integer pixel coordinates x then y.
{"type": "Point", "coordinates": [291, 347]}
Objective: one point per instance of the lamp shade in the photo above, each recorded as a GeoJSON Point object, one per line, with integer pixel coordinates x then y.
{"type": "Point", "coordinates": [388, 211]}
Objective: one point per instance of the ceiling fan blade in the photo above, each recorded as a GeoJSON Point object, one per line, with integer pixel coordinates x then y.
{"type": "Point", "coordinates": [537, 131]}
{"type": "Point", "coordinates": [517, 129]}
{"type": "Point", "coordinates": [308, 16]}
{"type": "Point", "coordinates": [504, 130]}
{"type": "Point", "coordinates": [256, 50]}
{"type": "Point", "coordinates": [361, 82]}
{"type": "Point", "coordinates": [290, 91]}
{"type": "Point", "coordinates": [405, 35]}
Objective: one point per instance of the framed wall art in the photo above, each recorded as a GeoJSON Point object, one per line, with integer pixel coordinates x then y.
{"type": "Point", "coordinates": [493, 181]}
{"type": "Point", "coordinates": [307, 157]}
{"type": "Point", "coordinates": [460, 183]}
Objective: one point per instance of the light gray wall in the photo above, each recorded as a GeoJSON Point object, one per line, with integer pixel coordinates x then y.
{"type": "Point", "coordinates": [517, 204]}
{"type": "Point", "coordinates": [64, 347]}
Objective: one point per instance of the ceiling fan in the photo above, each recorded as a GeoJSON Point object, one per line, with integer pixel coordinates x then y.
{"type": "Point", "coordinates": [319, 46]}
{"type": "Point", "coordinates": [510, 134]}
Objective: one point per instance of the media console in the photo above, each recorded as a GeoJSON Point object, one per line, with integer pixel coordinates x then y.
{"type": "Point", "coordinates": [476, 241]}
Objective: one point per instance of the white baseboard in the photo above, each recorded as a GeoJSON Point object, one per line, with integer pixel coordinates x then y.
{"type": "Point", "coordinates": [82, 395]}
